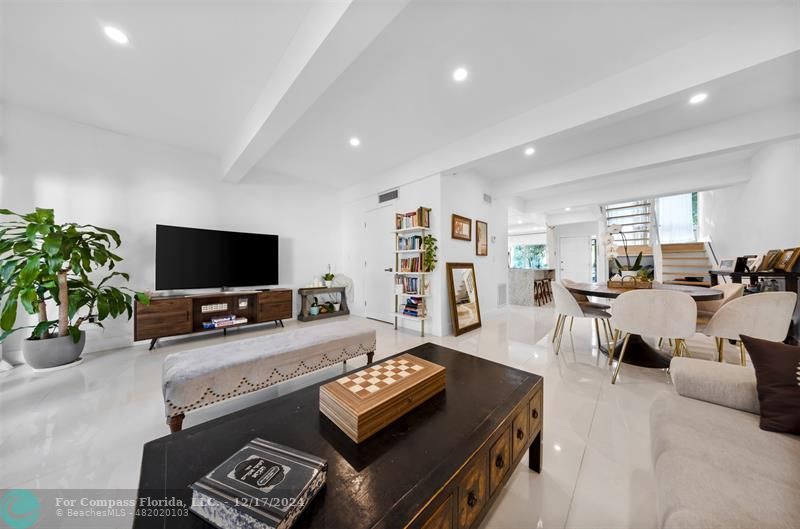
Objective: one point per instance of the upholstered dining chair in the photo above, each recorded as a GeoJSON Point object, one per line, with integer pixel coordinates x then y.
{"type": "Point", "coordinates": [706, 309]}
{"type": "Point", "coordinates": [766, 316]}
{"type": "Point", "coordinates": [566, 306]}
{"type": "Point", "coordinates": [653, 312]}
{"type": "Point", "coordinates": [582, 300]}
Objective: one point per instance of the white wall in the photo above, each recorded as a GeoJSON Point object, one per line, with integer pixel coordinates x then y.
{"type": "Point", "coordinates": [444, 194]}
{"type": "Point", "coordinates": [90, 175]}
{"type": "Point", "coordinates": [577, 229]}
{"type": "Point", "coordinates": [462, 194]}
{"type": "Point", "coordinates": [760, 214]}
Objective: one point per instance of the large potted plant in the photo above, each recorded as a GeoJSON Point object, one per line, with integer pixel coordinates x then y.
{"type": "Point", "coordinates": [70, 265]}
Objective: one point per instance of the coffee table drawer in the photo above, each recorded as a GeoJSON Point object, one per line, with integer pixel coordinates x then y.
{"type": "Point", "coordinates": [442, 517]}
{"type": "Point", "coordinates": [519, 432]}
{"type": "Point", "coordinates": [499, 460]}
{"type": "Point", "coordinates": [535, 409]}
{"type": "Point", "coordinates": [472, 491]}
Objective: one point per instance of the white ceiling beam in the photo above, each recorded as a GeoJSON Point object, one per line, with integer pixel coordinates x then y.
{"type": "Point", "coordinates": [753, 129]}
{"type": "Point", "coordinates": [330, 38]}
{"type": "Point", "coordinates": [771, 34]}
{"type": "Point", "coordinates": [680, 177]}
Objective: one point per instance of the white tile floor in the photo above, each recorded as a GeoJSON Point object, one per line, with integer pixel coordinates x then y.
{"type": "Point", "coordinates": [84, 427]}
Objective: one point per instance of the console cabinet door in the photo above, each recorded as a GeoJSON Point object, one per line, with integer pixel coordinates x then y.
{"type": "Point", "coordinates": [274, 305]}
{"type": "Point", "coordinates": [163, 317]}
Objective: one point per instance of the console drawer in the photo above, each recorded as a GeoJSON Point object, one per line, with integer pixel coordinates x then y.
{"type": "Point", "coordinates": [499, 460]}
{"type": "Point", "coordinates": [472, 490]}
{"type": "Point", "coordinates": [442, 517]}
{"type": "Point", "coordinates": [535, 409]}
{"type": "Point", "coordinates": [519, 432]}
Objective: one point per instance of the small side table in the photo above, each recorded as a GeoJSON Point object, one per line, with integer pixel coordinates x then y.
{"type": "Point", "coordinates": [307, 296]}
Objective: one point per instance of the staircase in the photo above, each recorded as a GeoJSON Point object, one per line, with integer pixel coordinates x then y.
{"type": "Point", "coordinates": [680, 260]}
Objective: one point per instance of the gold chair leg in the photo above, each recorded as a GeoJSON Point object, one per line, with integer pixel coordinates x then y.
{"type": "Point", "coordinates": [684, 348]}
{"type": "Point", "coordinates": [555, 329]}
{"type": "Point", "coordinates": [607, 333]}
{"type": "Point", "coordinates": [557, 345]}
{"type": "Point", "coordinates": [621, 355]}
{"type": "Point", "coordinates": [614, 340]}
{"type": "Point", "coordinates": [742, 353]}
{"type": "Point", "coordinates": [597, 331]}
{"type": "Point", "coordinates": [720, 349]}
{"type": "Point", "coordinates": [660, 341]}
{"type": "Point", "coordinates": [670, 342]}
{"type": "Point", "coordinates": [571, 322]}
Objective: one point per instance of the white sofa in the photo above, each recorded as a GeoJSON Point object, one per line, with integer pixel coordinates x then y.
{"type": "Point", "coordinates": [714, 466]}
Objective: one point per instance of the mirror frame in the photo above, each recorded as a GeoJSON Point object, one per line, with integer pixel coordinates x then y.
{"type": "Point", "coordinates": [451, 288]}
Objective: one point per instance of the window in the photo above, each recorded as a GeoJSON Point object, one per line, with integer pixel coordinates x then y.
{"type": "Point", "coordinates": [529, 256]}
{"type": "Point", "coordinates": [677, 218]}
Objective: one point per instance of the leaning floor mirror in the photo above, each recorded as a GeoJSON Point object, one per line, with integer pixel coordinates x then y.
{"type": "Point", "coordinates": [464, 305]}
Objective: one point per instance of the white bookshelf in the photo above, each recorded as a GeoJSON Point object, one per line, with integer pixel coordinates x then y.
{"type": "Point", "coordinates": [423, 286]}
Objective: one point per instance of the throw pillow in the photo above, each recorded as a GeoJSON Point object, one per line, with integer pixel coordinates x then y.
{"type": "Point", "coordinates": [777, 368]}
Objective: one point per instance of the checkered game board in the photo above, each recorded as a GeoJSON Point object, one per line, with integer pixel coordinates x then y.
{"type": "Point", "coordinates": [375, 378]}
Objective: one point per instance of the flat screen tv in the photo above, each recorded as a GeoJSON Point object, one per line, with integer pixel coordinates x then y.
{"type": "Point", "coordinates": [196, 258]}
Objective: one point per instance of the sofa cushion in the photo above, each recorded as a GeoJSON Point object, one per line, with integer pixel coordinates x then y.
{"type": "Point", "coordinates": [777, 368]}
{"type": "Point", "coordinates": [715, 468]}
{"type": "Point", "coordinates": [728, 385]}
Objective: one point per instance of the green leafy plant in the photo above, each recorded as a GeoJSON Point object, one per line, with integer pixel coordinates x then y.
{"type": "Point", "coordinates": [616, 229]}
{"type": "Point", "coordinates": [328, 277]}
{"type": "Point", "coordinates": [41, 261]}
{"type": "Point", "coordinates": [429, 255]}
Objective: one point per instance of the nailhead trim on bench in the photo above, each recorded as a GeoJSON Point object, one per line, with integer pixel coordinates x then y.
{"type": "Point", "coordinates": [249, 387]}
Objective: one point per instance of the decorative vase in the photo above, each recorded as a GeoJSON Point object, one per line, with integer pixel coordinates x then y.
{"type": "Point", "coordinates": [314, 311]}
{"type": "Point", "coordinates": [52, 352]}
{"type": "Point", "coordinates": [328, 284]}
{"type": "Point", "coordinates": [336, 307]}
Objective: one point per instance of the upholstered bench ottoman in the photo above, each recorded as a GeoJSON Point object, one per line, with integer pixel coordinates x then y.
{"type": "Point", "coordinates": [194, 379]}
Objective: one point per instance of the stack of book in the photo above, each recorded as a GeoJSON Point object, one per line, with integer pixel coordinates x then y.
{"type": "Point", "coordinates": [262, 486]}
{"type": "Point", "coordinates": [223, 321]}
{"type": "Point", "coordinates": [414, 307]}
{"type": "Point", "coordinates": [409, 243]}
{"type": "Point", "coordinates": [411, 264]}
{"type": "Point", "coordinates": [421, 218]}
{"type": "Point", "coordinates": [408, 285]}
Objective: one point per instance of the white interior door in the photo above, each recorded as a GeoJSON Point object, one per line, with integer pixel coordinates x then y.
{"type": "Point", "coordinates": [379, 261]}
{"type": "Point", "coordinates": [575, 256]}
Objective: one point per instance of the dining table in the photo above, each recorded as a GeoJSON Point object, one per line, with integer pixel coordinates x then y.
{"type": "Point", "coordinates": [640, 352]}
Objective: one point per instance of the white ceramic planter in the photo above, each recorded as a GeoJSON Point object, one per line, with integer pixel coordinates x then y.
{"type": "Point", "coordinates": [52, 352]}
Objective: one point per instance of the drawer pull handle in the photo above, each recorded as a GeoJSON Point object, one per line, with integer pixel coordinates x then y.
{"type": "Point", "coordinates": [535, 413]}
{"type": "Point", "coordinates": [472, 500]}
{"type": "Point", "coordinates": [520, 434]}
{"type": "Point", "coordinates": [499, 462]}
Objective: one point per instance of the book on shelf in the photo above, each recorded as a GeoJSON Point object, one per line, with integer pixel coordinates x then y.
{"type": "Point", "coordinates": [263, 485]}
{"type": "Point", "coordinates": [414, 306]}
{"type": "Point", "coordinates": [225, 321]}
{"type": "Point", "coordinates": [412, 242]}
{"type": "Point", "coordinates": [410, 264]}
{"type": "Point", "coordinates": [421, 218]}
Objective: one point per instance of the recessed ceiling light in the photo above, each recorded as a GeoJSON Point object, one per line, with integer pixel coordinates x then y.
{"type": "Point", "coordinates": [460, 74]}
{"type": "Point", "coordinates": [698, 98]}
{"type": "Point", "coordinates": [567, 209]}
{"type": "Point", "coordinates": [519, 222]}
{"type": "Point", "coordinates": [529, 151]}
{"type": "Point", "coordinates": [355, 142]}
{"type": "Point", "coordinates": [115, 34]}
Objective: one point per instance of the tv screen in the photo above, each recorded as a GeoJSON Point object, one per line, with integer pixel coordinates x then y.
{"type": "Point", "coordinates": [195, 258]}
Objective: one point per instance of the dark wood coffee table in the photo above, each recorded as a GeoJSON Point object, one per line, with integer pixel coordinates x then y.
{"type": "Point", "coordinates": [439, 466]}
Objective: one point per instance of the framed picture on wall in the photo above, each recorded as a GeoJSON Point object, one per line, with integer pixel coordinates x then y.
{"type": "Point", "coordinates": [481, 238]}
{"type": "Point", "coordinates": [461, 228]}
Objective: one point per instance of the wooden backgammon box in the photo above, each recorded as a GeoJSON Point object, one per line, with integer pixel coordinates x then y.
{"type": "Point", "coordinates": [364, 402]}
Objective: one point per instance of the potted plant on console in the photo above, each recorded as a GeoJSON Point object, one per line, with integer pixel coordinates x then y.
{"type": "Point", "coordinates": [328, 278]}
{"type": "Point", "coordinates": [628, 269]}
{"type": "Point", "coordinates": [69, 265]}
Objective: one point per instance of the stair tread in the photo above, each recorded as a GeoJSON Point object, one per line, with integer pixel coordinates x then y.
{"type": "Point", "coordinates": [689, 283]}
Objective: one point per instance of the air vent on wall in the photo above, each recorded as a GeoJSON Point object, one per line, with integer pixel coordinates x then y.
{"type": "Point", "coordinates": [487, 198]}
{"type": "Point", "coordinates": [386, 197]}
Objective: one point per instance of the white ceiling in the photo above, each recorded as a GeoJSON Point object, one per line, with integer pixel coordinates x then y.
{"type": "Point", "coordinates": [766, 85]}
{"type": "Point", "coordinates": [400, 99]}
{"type": "Point", "coordinates": [189, 76]}
{"type": "Point", "coordinates": [195, 69]}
